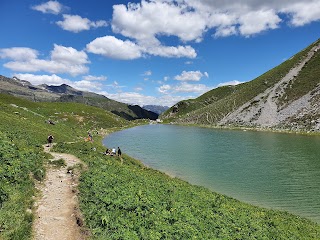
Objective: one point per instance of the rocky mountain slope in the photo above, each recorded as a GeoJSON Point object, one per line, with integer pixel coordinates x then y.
{"type": "Point", "coordinates": [65, 93]}
{"type": "Point", "coordinates": [286, 97]}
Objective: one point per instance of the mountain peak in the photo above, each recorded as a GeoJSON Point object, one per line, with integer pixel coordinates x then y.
{"type": "Point", "coordinates": [66, 93]}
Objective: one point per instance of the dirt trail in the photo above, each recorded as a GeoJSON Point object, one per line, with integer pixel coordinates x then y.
{"type": "Point", "coordinates": [56, 214]}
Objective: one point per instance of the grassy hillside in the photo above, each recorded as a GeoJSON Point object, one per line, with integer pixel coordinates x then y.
{"type": "Point", "coordinates": [65, 93]}
{"type": "Point", "coordinates": [71, 119]}
{"type": "Point", "coordinates": [214, 105]}
{"type": "Point", "coordinates": [23, 130]}
{"type": "Point", "coordinates": [305, 81]}
{"type": "Point", "coordinates": [130, 201]}
{"type": "Point", "coordinates": [123, 110]}
{"type": "Point", "coordinates": [118, 201]}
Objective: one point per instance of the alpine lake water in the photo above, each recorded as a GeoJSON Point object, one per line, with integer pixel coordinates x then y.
{"type": "Point", "coordinates": [272, 170]}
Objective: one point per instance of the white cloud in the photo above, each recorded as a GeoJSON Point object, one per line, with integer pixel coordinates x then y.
{"type": "Point", "coordinates": [303, 13]}
{"type": "Point", "coordinates": [147, 73]}
{"type": "Point", "coordinates": [55, 80]}
{"type": "Point", "coordinates": [37, 65]}
{"type": "Point", "coordinates": [130, 97]}
{"type": "Point", "coordinates": [94, 78]}
{"type": "Point", "coordinates": [140, 99]}
{"type": "Point", "coordinates": [68, 55]}
{"type": "Point", "coordinates": [18, 53]}
{"type": "Point", "coordinates": [230, 83]}
{"type": "Point", "coordinates": [112, 47]}
{"type": "Point", "coordinates": [145, 20]}
{"type": "Point", "coordinates": [115, 87]}
{"type": "Point", "coordinates": [43, 79]}
{"type": "Point", "coordinates": [183, 88]}
{"type": "Point", "coordinates": [75, 23]}
{"type": "Point", "coordinates": [191, 76]}
{"type": "Point", "coordinates": [191, 88]}
{"type": "Point", "coordinates": [191, 20]}
{"type": "Point", "coordinates": [53, 7]}
{"type": "Point", "coordinates": [85, 85]}
{"type": "Point", "coordinates": [225, 31]}
{"type": "Point", "coordinates": [258, 21]}
{"type": "Point", "coordinates": [172, 52]}
{"type": "Point", "coordinates": [164, 89]}
{"type": "Point", "coordinates": [63, 60]}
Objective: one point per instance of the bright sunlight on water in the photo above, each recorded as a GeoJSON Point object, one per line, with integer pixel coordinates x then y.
{"type": "Point", "coordinates": [278, 171]}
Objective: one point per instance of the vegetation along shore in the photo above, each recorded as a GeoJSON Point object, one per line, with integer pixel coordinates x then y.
{"type": "Point", "coordinates": [117, 200]}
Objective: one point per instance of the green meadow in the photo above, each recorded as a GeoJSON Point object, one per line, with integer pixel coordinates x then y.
{"type": "Point", "coordinates": [118, 199]}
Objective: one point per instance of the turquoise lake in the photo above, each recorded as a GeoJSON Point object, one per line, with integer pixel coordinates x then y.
{"type": "Point", "coordinates": [273, 170]}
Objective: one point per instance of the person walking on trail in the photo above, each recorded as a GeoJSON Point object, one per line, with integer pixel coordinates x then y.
{"type": "Point", "coordinates": [119, 152]}
{"type": "Point", "coordinates": [50, 140]}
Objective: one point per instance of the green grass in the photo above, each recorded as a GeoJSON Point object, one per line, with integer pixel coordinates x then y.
{"type": "Point", "coordinates": [118, 200]}
{"type": "Point", "coordinates": [23, 131]}
{"type": "Point", "coordinates": [306, 81]}
{"type": "Point", "coordinates": [131, 201]}
{"type": "Point", "coordinates": [20, 165]}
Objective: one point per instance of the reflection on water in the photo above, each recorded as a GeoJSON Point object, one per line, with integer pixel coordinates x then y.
{"type": "Point", "coordinates": [279, 171]}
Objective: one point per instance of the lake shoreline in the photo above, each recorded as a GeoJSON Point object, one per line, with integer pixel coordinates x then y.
{"type": "Point", "coordinates": [129, 198]}
{"type": "Point", "coordinates": [253, 129]}
{"type": "Point", "coordinates": [174, 175]}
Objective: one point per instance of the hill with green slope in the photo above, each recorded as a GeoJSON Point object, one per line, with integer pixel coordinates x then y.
{"type": "Point", "coordinates": [24, 127]}
{"type": "Point", "coordinates": [70, 119]}
{"type": "Point", "coordinates": [65, 93]}
{"type": "Point", "coordinates": [286, 97]}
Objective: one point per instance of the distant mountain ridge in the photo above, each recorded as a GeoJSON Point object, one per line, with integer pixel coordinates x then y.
{"type": "Point", "coordinates": [65, 93]}
{"type": "Point", "coordinates": [156, 108]}
{"type": "Point", "coordinates": [287, 97]}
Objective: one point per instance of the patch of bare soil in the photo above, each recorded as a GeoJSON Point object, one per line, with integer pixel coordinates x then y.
{"type": "Point", "coordinates": [57, 213]}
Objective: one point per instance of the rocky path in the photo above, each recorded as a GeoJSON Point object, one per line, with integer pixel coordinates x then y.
{"type": "Point", "coordinates": [57, 211]}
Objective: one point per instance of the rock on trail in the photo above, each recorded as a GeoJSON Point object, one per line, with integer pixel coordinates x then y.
{"type": "Point", "coordinates": [57, 208]}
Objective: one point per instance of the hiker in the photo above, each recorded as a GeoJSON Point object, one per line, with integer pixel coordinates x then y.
{"type": "Point", "coordinates": [113, 152]}
{"type": "Point", "coordinates": [119, 155]}
{"type": "Point", "coordinates": [107, 152]}
{"type": "Point", "coordinates": [51, 122]}
{"type": "Point", "coordinates": [90, 137]}
{"type": "Point", "coordinates": [50, 140]}
{"type": "Point", "coordinates": [119, 152]}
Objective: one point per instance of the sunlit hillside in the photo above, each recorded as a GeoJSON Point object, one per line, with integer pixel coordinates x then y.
{"type": "Point", "coordinates": [286, 97]}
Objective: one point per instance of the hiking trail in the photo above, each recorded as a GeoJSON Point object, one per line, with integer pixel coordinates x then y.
{"type": "Point", "coordinates": [57, 213]}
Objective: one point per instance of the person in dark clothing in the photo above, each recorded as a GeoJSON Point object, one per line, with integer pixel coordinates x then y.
{"type": "Point", "coordinates": [119, 155]}
{"type": "Point", "coordinates": [119, 152]}
{"type": "Point", "coordinates": [50, 140]}
{"type": "Point", "coordinates": [107, 152]}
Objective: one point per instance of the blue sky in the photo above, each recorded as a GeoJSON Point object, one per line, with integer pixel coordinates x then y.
{"type": "Point", "coordinates": [151, 52]}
